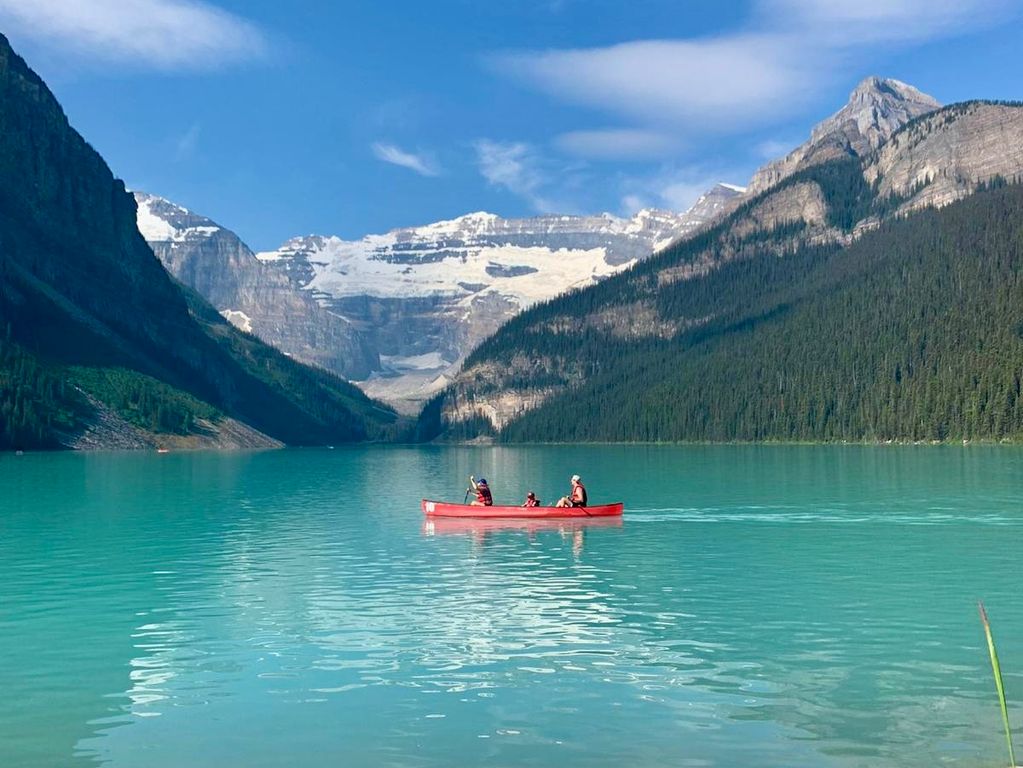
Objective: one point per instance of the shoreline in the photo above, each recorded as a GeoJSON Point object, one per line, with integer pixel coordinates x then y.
{"type": "Point", "coordinates": [231, 449]}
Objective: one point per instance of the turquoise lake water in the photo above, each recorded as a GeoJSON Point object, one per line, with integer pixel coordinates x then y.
{"type": "Point", "coordinates": [758, 606]}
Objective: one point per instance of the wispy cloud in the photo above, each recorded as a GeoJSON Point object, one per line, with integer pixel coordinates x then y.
{"type": "Point", "coordinates": [618, 143]}
{"type": "Point", "coordinates": [390, 153]}
{"type": "Point", "coordinates": [186, 144]}
{"type": "Point", "coordinates": [516, 167]}
{"type": "Point", "coordinates": [674, 188]}
{"type": "Point", "coordinates": [773, 148]}
{"type": "Point", "coordinates": [555, 185]}
{"type": "Point", "coordinates": [784, 56]}
{"type": "Point", "coordinates": [682, 83]}
{"type": "Point", "coordinates": [843, 23]}
{"type": "Point", "coordinates": [632, 204]}
{"type": "Point", "coordinates": [679, 195]}
{"type": "Point", "coordinates": [166, 34]}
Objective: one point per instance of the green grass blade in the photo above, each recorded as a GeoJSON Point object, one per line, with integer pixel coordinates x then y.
{"type": "Point", "coordinates": [998, 682]}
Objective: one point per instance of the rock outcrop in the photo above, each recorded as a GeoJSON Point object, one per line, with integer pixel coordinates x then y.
{"type": "Point", "coordinates": [943, 156]}
{"type": "Point", "coordinates": [255, 297]}
{"type": "Point", "coordinates": [877, 108]}
{"type": "Point", "coordinates": [798, 202]}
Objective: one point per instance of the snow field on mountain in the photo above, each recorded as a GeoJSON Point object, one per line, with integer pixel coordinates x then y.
{"type": "Point", "coordinates": [342, 270]}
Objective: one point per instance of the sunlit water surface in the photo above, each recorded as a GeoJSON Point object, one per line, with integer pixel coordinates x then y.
{"type": "Point", "coordinates": [759, 606]}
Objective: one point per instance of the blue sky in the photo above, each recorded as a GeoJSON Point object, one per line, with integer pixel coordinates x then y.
{"type": "Point", "coordinates": [280, 119]}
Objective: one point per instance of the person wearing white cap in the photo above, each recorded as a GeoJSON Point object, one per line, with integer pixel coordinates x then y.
{"type": "Point", "coordinates": [577, 498]}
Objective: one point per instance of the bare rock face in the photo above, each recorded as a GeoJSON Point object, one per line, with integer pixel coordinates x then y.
{"type": "Point", "coordinates": [797, 201]}
{"type": "Point", "coordinates": [876, 109]}
{"type": "Point", "coordinates": [253, 297]}
{"type": "Point", "coordinates": [506, 403]}
{"type": "Point", "coordinates": [943, 156]}
{"type": "Point", "coordinates": [499, 408]}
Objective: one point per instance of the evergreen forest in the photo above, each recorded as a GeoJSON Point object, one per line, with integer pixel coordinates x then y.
{"type": "Point", "coordinates": [912, 332]}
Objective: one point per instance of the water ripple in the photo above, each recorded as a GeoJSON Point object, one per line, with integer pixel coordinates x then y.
{"type": "Point", "coordinates": [233, 609]}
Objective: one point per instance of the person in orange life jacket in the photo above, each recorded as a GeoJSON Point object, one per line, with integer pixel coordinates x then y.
{"type": "Point", "coordinates": [578, 496]}
{"type": "Point", "coordinates": [531, 500]}
{"type": "Point", "coordinates": [482, 490]}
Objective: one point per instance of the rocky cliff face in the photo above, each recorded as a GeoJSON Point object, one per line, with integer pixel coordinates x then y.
{"type": "Point", "coordinates": [944, 155]}
{"type": "Point", "coordinates": [876, 109]}
{"type": "Point", "coordinates": [803, 202]}
{"type": "Point", "coordinates": [254, 297]}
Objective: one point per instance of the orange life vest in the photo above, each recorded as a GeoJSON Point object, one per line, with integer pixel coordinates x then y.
{"type": "Point", "coordinates": [579, 495]}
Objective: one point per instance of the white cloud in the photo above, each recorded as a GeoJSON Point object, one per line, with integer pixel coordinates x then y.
{"type": "Point", "coordinates": [675, 82]}
{"type": "Point", "coordinates": [788, 53]}
{"type": "Point", "coordinates": [551, 185]}
{"type": "Point", "coordinates": [389, 153]}
{"type": "Point", "coordinates": [166, 34]}
{"type": "Point", "coordinates": [858, 22]}
{"type": "Point", "coordinates": [516, 167]}
{"type": "Point", "coordinates": [618, 143]}
{"type": "Point", "coordinates": [632, 204]}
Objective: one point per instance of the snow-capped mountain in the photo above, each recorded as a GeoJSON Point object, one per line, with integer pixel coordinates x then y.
{"type": "Point", "coordinates": [527, 258]}
{"type": "Point", "coordinates": [426, 296]}
{"type": "Point", "coordinates": [216, 263]}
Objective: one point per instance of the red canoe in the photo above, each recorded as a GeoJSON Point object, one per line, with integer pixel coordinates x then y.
{"type": "Point", "coordinates": [474, 526]}
{"type": "Point", "coordinates": [443, 509]}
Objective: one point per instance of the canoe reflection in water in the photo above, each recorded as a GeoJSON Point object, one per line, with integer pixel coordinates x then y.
{"type": "Point", "coordinates": [480, 529]}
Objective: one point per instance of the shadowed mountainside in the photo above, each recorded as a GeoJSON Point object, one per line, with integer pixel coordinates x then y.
{"type": "Point", "coordinates": [91, 322]}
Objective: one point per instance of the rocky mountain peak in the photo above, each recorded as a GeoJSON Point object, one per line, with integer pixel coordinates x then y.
{"type": "Point", "coordinates": [718, 195]}
{"type": "Point", "coordinates": [875, 89]}
{"type": "Point", "coordinates": [877, 107]}
{"type": "Point", "coordinates": [160, 220]}
{"type": "Point", "coordinates": [82, 291]}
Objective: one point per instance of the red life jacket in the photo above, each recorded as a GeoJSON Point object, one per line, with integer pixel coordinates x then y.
{"type": "Point", "coordinates": [532, 502]}
{"type": "Point", "coordinates": [483, 496]}
{"type": "Point", "coordinates": [579, 495]}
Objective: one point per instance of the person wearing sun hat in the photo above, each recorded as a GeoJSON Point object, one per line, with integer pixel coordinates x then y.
{"type": "Point", "coordinates": [577, 498]}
